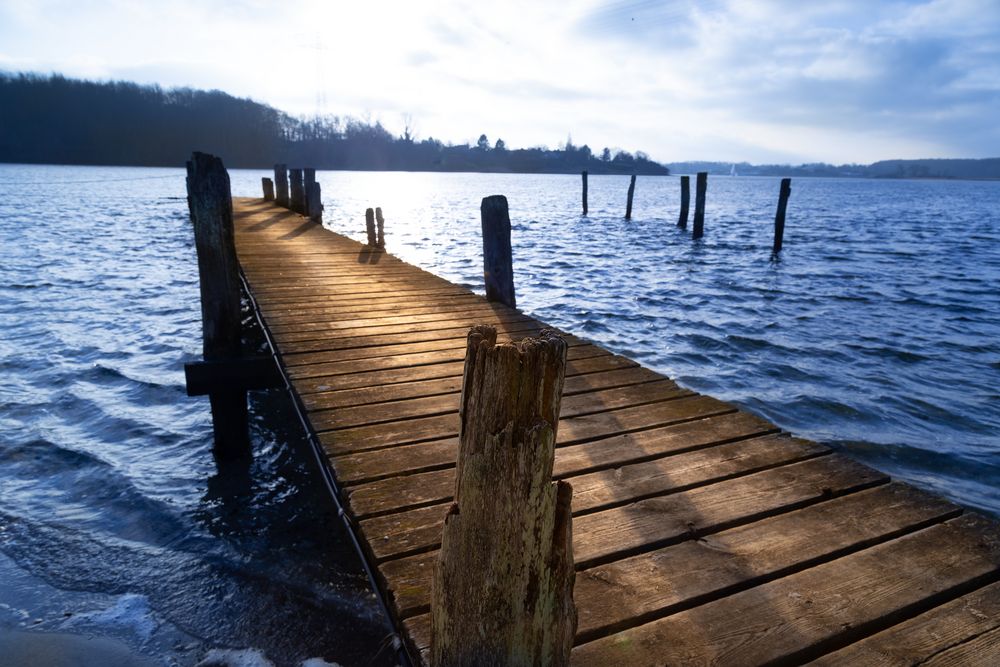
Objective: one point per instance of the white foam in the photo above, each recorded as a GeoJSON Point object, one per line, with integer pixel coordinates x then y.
{"type": "Point", "coordinates": [318, 662]}
{"type": "Point", "coordinates": [130, 611]}
{"type": "Point", "coordinates": [248, 657]}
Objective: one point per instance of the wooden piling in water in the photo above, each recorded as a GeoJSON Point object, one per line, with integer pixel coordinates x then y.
{"type": "Point", "coordinates": [281, 184]}
{"type": "Point", "coordinates": [268, 186]}
{"type": "Point", "coordinates": [628, 204]}
{"type": "Point", "coordinates": [584, 176]}
{"type": "Point", "coordinates": [298, 191]}
{"type": "Point", "coordinates": [682, 220]}
{"type": "Point", "coordinates": [211, 209]}
{"type": "Point", "coordinates": [498, 263]}
{"type": "Point", "coordinates": [380, 228]}
{"type": "Point", "coordinates": [699, 205]}
{"type": "Point", "coordinates": [314, 200]}
{"type": "Point", "coordinates": [503, 579]}
{"type": "Point", "coordinates": [779, 216]}
{"type": "Point", "coordinates": [308, 178]}
{"type": "Point", "coordinates": [370, 228]}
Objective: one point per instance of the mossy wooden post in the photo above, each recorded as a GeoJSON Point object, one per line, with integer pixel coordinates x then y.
{"type": "Point", "coordinates": [315, 200]}
{"type": "Point", "coordinates": [380, 228]}
{"type": "Point", "coordinates": [298, 193]}
{"type": "Point", "coordinates": [370, 227]}
{"type": "Point", "coordinates": [503, 580]}
{"type": "Point", "coordinates": [628, 204]}
{"type": "Point", "coordinates": [779, 216]}
{"type": "Point", "coordinates": [268, 185]}
{"type": "Point", "coordinates": [281, 184]}
{"type": "Point", "coordinates": [498, 263]}
{"type": "Point", "coordinates": [584, 176]}
{"type": "Point", "coordinates": [682, 221]}
{"type": "Point", "coordinates": [211, 207]}
{"type": "Point", "coordinates": [699, 205]}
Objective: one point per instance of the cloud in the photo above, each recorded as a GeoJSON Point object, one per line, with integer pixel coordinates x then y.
{"type": "Point", "coordinates": [840, 80]}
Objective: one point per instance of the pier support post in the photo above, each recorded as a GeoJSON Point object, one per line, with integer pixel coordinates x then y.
{"type": "Point", "coordinates": [315, 202]}
{"type": "Point", "coordinates": [628, 204]}
{"type": "Point", "coordinates": [498, 263]}
{"type": "Point", "coordinates": [380, 225]}
{"type": "Point", "coordinates": [308, 178]}
{"type": "Point", "coordinates": [584, 176]}
{"type": "Point", "coordinates": [779, 216]}
{"type": "Point", "coordinates": [699, 205]}
{"type": "Point", "coordinates": [211, 206]}
{"type": "Point", "coordinates": [370, 228]}
{"type": "Point", "coordinates": [503, 580]}
{"type": "Point", "coordinates": [682, 221]}
{"type": "Point", "coordinates": [298, 192]}
{"type": "Point", "coordinates": [281, 184]}
{"type": "Point", "coordinates": [268, 185]}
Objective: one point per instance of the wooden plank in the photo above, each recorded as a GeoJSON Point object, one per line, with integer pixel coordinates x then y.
{"type": "Point", "coordinates": [436, 371]}
{"type": "Point", "coordinates": [406, 359]}
{"type": "Point", "coordinates": [579, 404]}
{"type": "Point", "coordinates": [445, 342]}
{"type": "Point", "coordinates": [804, 615]}
{"type": "Point", "coordinates": [647, 524]}
{"type": "Point", "coordinates": [449, 323]}
{"type": "Point", "coordinates": [636, 590]}
{"type": "Point", "coordinates": [411, 490]}
{"type": "Point", "coordinates": [571, 429]}
{"type": "Point", "coordinates": [515, 329]}
{"type": "Point", "coordinates": [947, 635]}
{"type": "Point", "coordinates": [375, 395]}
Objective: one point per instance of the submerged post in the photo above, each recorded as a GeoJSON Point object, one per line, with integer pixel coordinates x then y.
{"type": "Point", "coordinates": [682, 221]}
{"type": "Point", "coordinates": [779, 216]}
{"type": "Point", "coordinates": [380, 231]}
{"type": "Point", "coordinates": [498, 263]}
{"type": "Point", "coordinates": [268, 186]}
{"type": "Point", "coordinates": [281, 184]}
{"type": "Point", "coordinates": [584, 175]}
{"type": "Point", "coordinates": [699, 205]}
{"type": "Point", "coordinates": [628, 204]}
{"type": "Point", "coordinates": [211, 206]}
{"type": "Point", "coordinates": [503, 579]}
{"type": "Point", "coordinates": [370, 228]}
{"type": "Point", "coordinates": [298, 193]}
{"type": "Point", "coordinates": [315, 200]}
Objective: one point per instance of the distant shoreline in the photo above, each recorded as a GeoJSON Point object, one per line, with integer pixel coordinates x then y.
{"type": "Point", "coordinates": [775, 174]}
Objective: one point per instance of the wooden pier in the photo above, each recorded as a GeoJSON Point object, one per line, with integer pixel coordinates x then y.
{"type": "Point", "coordinates": [702, 534]}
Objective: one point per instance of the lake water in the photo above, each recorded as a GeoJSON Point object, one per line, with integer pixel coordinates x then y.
{"type": "Point", "coordinates": [877, 332]}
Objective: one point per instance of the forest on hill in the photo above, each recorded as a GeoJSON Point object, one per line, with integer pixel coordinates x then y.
{"type": "Point", "coordinates": [57, 120]}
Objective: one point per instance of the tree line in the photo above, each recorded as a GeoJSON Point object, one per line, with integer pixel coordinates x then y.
{"type": "Point", "coordinates": [57, 120]}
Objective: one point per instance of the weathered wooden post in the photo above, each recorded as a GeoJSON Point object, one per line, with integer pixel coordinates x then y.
{"type": "Point", "coordinates": [584, 175]}
{"type": "Point", "coordinates": [370, 227]}
{"type": "Point", "coordinates": [498, 263]}
{"type": "Point", "coordinates": [682, 221]}
{"type": "Point", "coordinates": [309, 177]}
{"type": "Point", "coordinates": [298, 192]}
{"type": "Point", "coordinates": [699, 205]}
{"type": "Point", "coordinates": [779, 216]}
{"type": "Point", "coordinates": [211, 207]}
{"type": "Point", "coordinates": [268, 186]}
{"type": "Point", "coordinates": [315, 201]}
{"type": "Point", "coordinates": [628, 205]}
{"type": "Point", "coordinates": [380, 231]}
{"type": "Point", "coordinates": [281, 183]}
{"type": "Point", "coordinates": [503, 580]}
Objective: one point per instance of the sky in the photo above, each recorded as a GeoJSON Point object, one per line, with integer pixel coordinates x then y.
{"type": "Point", "coordinates": [785, 81]}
